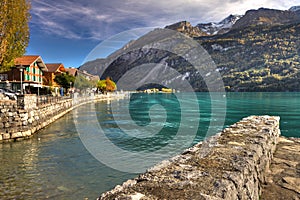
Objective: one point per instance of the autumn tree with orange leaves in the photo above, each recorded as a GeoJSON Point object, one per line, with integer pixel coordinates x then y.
{"type": "Point", "coordinates": [106, 85]}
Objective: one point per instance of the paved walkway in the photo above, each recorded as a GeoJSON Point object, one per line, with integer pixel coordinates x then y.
{"type": "Point", "coordinates": [283, 180]}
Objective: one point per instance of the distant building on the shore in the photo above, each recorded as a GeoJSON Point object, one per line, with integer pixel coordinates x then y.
{"type": "Point", "coordinates": [72, 71]}
{"type": "Point", "coordinates": [54, 69]}
{"type": "Point", "coordinates": [76, 72]}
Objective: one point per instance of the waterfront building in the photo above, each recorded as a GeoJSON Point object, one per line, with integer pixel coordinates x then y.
{"type": "Point", "coordinates": [27, 72]}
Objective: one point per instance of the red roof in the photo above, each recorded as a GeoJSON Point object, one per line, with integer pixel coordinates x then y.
{"type": "Point", "coordinates": [26, 60]}
{"type": "Point", "coordinates": [72, 71]}
{"type": "Point", "coordinates": [29, 60]}
{"type": "Point", "coordinates": [55, 67]}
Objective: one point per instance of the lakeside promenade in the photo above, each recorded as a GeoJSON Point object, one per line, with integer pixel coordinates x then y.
{"type": "Point", "coordinates": [22, 118]}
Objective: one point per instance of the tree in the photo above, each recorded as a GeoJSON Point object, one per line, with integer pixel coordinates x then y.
{"type": "Point", "coordinates": [106, 85]}
{"type": "Point", "coordinates": [83, 83]}
{"type": "Point", "coordinates": [14, 31]}
{"type": "Point", "coordinates": [64, 80]}
{"type": "Point", "coordinates": [101, 85]}
{"type": "Point", "coordinates": [110, 85]}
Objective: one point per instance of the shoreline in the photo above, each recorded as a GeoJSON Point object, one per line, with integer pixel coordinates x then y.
{"type": "Point", "coordinates": [241, 162]}
{"type": "Point", "coordinates": [23, 123]}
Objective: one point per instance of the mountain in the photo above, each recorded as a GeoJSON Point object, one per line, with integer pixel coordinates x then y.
{"type": "Point", "coordinates": [257, 58]}
{"type": "Point", "coordinates": [221, 27]}
{"type": "Point", "coordinates": [264, 16]}
{"type": "Point", "coordinates": [93, 66]}
{"type": "Point", "coordinates": [294, 8]}
{"type": "Point", "coordinates": [147, 51]}
{"type": "Point", "coordinates": [259, 53]}
{"type": "Point", "coordinates": [186, 28]}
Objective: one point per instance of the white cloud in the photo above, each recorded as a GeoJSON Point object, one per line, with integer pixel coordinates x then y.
{"type": "Point", "coordinates": [97, 20]}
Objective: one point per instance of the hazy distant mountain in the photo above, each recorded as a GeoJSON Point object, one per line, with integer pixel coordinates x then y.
{"type": "Point", "coordinates": [260, 52]}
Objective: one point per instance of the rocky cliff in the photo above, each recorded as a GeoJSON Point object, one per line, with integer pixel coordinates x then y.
{"type": "Point", "coordinates": [221, 27]}
{"type": "Point", "coordinates": [266, 17]}
{"type": "Point", "coordinates": [186, 28]}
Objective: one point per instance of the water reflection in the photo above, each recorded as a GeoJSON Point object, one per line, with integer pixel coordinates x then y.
{"type": "Point", "coordinates": [57, 167]}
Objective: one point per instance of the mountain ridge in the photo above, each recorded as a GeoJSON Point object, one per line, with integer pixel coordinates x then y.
{"type": "Point", "coordinates": [255, 57]}
{"type": "Point", "coordinates": [266, 16]}
{"type": "Point", "coordinates": [221, 27]}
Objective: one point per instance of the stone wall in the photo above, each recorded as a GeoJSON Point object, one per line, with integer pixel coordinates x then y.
{"type": "Point", "coordinates": [283, 179]}
{"type": "Point", "coordinates": [3, 97]}
{"type": "Point", "coordinates": [230, 165]}
{"type": "Point", "coordinates": [22, 118]}
{"type": "Point", "coordinates": [27, 101]}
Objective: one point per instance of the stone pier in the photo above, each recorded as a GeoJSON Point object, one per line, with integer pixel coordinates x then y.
{"type": "Point", "coordinates": [234, 164]}
{"type": "Point", "coordinates": [283, 178]}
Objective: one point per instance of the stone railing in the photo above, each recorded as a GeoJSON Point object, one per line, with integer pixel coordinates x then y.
{"type": "Point", "coordinates": [230, 165]}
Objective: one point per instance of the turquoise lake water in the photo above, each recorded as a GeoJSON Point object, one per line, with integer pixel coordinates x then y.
{"type": "Point", "coordinates": [55, 164]}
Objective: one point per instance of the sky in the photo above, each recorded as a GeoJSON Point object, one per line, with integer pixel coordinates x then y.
{"type": "Point", "coordinates": [66, 31]}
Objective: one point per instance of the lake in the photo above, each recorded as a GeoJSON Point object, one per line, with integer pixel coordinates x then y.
{"type": "Point", "coordinates": [56, 164]}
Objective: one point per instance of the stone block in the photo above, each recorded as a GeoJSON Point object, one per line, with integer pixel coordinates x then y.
{"type": "Point", "coordinates": [14, 124]}
{"type": "Point", "coordinates": [27, 133]}
{"type": "Point", "coordinates": [33, 130]}
{"type": "Point", "coordinates": [30, 120]}
{"type": "Point", "coordinates": [24, 117]}
{"type": "Point", "coordinates": [20, 139]}
{"type": "Point", "coordinates": [17, 118]}
{"type": "Point", "coordinates": [5, 136]}
{"type": "Point", "coordinates": [21, 111]}
{"type": "Point", "coordinates": [4, 110]}
{"type": "Point", "coordinates": [16, 135]}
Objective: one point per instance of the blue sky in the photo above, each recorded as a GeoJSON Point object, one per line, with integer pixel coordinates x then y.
{"type": "Point", "coordinates": [67, 31]}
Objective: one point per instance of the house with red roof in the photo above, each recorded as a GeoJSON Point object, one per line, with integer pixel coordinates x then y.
{"type": "Point", "coordinates": [54, 69]}
{"type": "Point", "coordinates": [31, 74]}
{"type": "Point", "coordinates": [72, 71]}
{"type": "Point", "coordinates": [28, 71]}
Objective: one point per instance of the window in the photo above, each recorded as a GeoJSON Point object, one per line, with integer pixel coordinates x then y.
{"type": "Point", "coordinates": [3, 77]}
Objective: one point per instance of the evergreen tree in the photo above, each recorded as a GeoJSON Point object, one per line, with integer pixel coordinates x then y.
{"type": "Point", "coordinates": [64, 80]}
{"type": "Point", "coordinates": [82, 83]}
{"type": "Point", "coordinates": [14, 31]}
